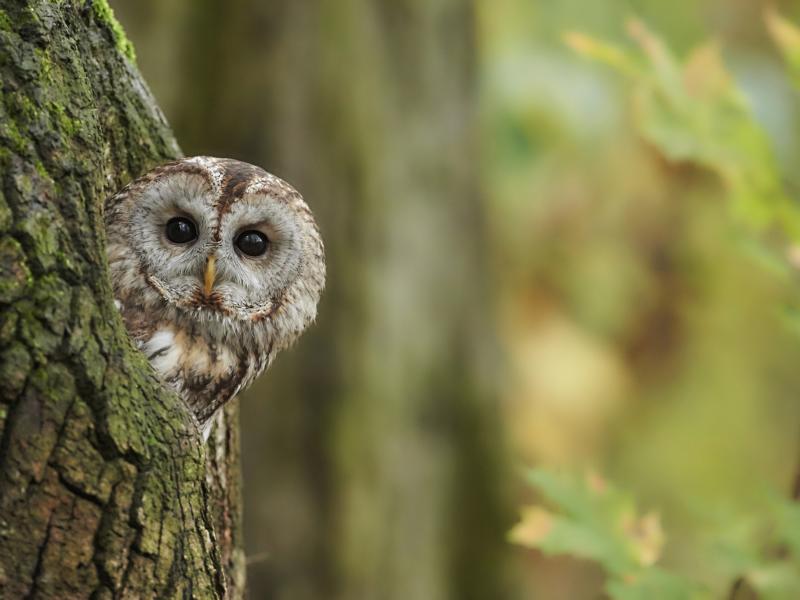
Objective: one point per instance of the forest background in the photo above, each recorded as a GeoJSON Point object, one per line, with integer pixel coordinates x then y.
{"type": "Point", "coordinates": [580, 318]}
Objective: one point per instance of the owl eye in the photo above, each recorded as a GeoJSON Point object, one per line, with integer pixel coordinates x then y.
{"type": "Point", "coordinates": [181, 230]}
{"type": "Point", "coordinates": [252, 243]}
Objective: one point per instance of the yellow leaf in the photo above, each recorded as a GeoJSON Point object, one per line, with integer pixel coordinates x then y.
{"type": "Point", "coordinates": [705, 75]}
{"type": "Point", "coordinates": [535, 526]}
{"type": "Point", "coordinates": [646, 537]}
{"type": "Point", "coordinates": [651, 44]}
{"type": "Point", "coordinates": [793, 255]}
{"type": "Point", "coordinates": [783, 32]}
{"type": "Point", "coordinates": [595, 49]}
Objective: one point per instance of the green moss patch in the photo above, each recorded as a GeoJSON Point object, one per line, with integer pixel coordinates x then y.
{"type": "Point", "coordinates": [105, 14]}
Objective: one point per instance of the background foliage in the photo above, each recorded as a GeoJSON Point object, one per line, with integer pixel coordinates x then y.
{"type": "Point", "coordinates": [639, 223]}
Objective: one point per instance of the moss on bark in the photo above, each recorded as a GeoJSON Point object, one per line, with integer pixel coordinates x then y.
{"type": "Point", "coordinates": [104, 487]}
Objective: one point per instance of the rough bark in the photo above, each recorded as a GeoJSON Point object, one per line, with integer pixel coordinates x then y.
{"type": "Point", "coordinates": [103, 484]}
{"type": "Point", "coordinates": [374, 453]}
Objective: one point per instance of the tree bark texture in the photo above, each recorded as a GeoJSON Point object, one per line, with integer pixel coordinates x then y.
{"type": "Point", "coordinates": [374, 457]}
{"type": "Point", "coordinates": [105, 488]}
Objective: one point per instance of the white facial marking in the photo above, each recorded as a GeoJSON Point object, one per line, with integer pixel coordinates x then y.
{"type": "Point", "coordinates": [162, 351]}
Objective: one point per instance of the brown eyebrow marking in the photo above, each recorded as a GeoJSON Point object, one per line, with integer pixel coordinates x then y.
{"type": "Point", "coordinates": [238, 176]}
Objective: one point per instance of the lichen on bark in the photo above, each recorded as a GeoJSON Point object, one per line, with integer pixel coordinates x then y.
{"type": "Point", "coordinates": [105, 490]}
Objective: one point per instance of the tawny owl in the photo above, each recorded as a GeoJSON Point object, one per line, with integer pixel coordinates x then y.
{"type": "Point", "coordinates": [216, 266]}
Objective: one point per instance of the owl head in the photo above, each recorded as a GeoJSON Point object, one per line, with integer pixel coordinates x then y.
{"type": "Point", "coordinates": [220, 246]}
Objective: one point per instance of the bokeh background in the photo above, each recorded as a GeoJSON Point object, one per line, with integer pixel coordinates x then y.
{"type": "Point", "coordinates": [526, 269]}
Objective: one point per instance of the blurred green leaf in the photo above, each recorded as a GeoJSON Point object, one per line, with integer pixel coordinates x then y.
{"type": "Point", "coordinates": [787, 523]}
{"type": "Point", "coordinates": [554, 535]}
{"type": "Point", "coordinates": [594, 521]}
{"type": "Point", "coordinates": [655, 583]}
{"type": "Point", "coordinates": [693, 111]}
{"type": "Point", "coordinates": [776, 581]}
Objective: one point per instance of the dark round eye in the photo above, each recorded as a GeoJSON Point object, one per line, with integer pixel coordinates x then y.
{"type": "Point", "coordinates": [252, 243]}
{"type": "Point", "coordinates": [181, 230]}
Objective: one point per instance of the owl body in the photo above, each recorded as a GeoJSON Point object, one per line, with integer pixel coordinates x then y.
{"type": "Point", "coordinates": [216, 266]}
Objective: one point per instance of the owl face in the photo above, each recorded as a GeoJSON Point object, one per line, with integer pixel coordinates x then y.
{"type": "Point", "coordinates": [216, 265]}
{"type": "Point", "coordinates": [221, 238]}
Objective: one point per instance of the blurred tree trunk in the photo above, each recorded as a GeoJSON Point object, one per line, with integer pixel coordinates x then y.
{"type": "Point", "coordinates": [375, 461]}
{"type": "Point", "coordinates": [103, 484]}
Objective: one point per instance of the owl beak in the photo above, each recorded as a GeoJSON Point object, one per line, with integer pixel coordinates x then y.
{"type": "Point", "coordinates": [210, 274]}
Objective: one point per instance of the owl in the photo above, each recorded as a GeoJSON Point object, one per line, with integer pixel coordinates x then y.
{"type": "Point", "coordinates": [216, 266]}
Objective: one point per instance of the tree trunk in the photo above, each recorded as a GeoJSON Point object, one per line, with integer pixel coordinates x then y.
{"type": "Point", "coordinates": [104, 487]}
{"type": "Point", "coordinates": [374, 453]}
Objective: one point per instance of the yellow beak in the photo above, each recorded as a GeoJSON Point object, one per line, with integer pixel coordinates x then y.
{"type": "Point", "coordinates": [210, 274]}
